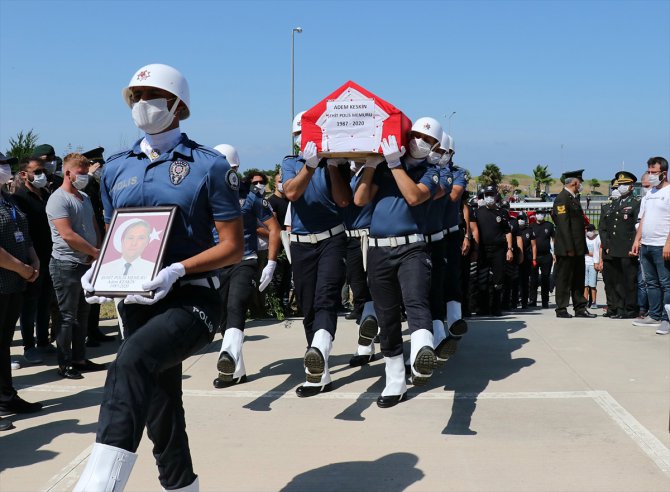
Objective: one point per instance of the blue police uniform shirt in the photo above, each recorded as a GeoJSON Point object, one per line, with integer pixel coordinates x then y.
{"type": "Point", "coordinates": [356, 217]}
{"type": "Point", "coordinates": [315, 211]}
{"type": "Point", "coordinates": [254, 208]}
{"type": "Point", "coordinates": [434, 221]}
{"type": "Point", "coordinates": [391, 214]}
{"type": "Point", "coordinates": [452, 210]}
{"type": "Point", "coordinates": [196, 179]}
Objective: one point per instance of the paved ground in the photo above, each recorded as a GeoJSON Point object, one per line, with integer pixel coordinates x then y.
{"type": "Point", "coordinates": [529, 403]}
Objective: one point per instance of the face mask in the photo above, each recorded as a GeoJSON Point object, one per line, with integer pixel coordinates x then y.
{"type": "Point", "coordinates": [615, 195]}
{"type": "Point", "coordinates": [39, 181]}
{"type": "Point", "coordinates": [5, 173]}
{"type": "Point", "coordinates": [522, 223]}
{"type": "Point", "coordinates": [581, 188]}
{"type": "Point", "coordinates": [153, 116]}
{"type": "Point", "coordinates": [489, 201]}
{"type": "Point", "coordinates": [97, 174]}
{"type": "Point", "coordinates": [643, 191]}
{"type": "Point", "coordinates": [280, 187]}
{"type": "Point", "coordinates": [655, 180]}
{"type": "Point", "coordinates": [50, 166]}
{"type": "Point", "coordinates": [419, 149]}
{"type": "Point", "coordinates": [297, 140]}
{"type": "Point", "coordinates": [260, 188]}
{"type": "Point", "coordinates": [539, 217]}
{"type": "Point", "coordinates": [623, 189]}
{"type": "Point", "coordinates": [480, 202]}
{"type": "Point", "coordinates": [591, 234]}
{"type": "Point", "coordinates": [81, 181]}
{"type": "Point", "coordinates": [434, 158]}
{"type": "Point", "coordinates": [445, 159]}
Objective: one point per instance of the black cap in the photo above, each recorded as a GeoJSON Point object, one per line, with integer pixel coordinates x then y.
{"type": "Point", "coordinates": [43, 149]}
{"type": "Point", "coordinates": [8, 160]}
{"type": "Point", "coordinates": [624, 177]}
{"type": "Point", "coordinates": [95, 155]}
{"type": "Point", "coordinates": [522, 216]}
{"type": "Point", "coordinates": [614, 183]}
{"type": "Point", "coordinates": [572, 174]}
{"type": "Point", "coordinates": [490, 190]}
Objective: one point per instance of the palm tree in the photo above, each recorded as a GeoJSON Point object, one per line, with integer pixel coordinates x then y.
{"type": "Point", "coordinates": [541, 177]}
{"type": "Point", "coordinates": [491, 175]}
{"type": "Point", "coordinates": [594, 183]}
{"type": "Point", "coordinates": [514, 182]}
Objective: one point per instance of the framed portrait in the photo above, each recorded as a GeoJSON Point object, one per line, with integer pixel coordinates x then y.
{"type": "Point", "coordinates": [132, 252]}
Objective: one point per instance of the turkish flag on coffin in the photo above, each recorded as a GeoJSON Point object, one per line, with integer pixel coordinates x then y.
{"type": "Point", "coordinates": [351, 122]}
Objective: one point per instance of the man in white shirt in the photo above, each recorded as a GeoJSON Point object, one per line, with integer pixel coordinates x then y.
{"type": "Point", "coordinates": [652, 243]}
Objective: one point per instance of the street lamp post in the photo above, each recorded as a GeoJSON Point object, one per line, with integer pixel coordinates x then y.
{"type": "Point", "coordinates": [295, 30]}
{"type": "Point", "coordinates": [449, 121]}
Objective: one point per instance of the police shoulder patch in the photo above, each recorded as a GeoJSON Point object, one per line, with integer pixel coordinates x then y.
{"type": "Point", "coordinates": [233, 180]}
{"type": "Point", "coordinates": [498, 218]}
{"type": "Point", "coordinates": [178, 171]}
{"type": "Point", "coordinates": [265, 203]}
{"type": "Point", "coordinates": [436, 179]}
{"type": "Point", "coordinates": [449, 180]}
{"type": "Point", "coordinates": [560, 209]}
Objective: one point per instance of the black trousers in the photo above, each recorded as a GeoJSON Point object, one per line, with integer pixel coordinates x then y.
{"type": "Point", "coordinates": [356, 276]}
{"type": "Point", "coordinates": [539, 277]}
{"type": "Point", "coordinates": [452, 275]}
{"type": "Point", "coordinates": [510, 296]}
{"type": "Point", "coordinates": [143, 386]}
{"type": "Point", "coordinates": [238, 284]}
{"type": "Point", "coordinates": [614, 303]}
{"type": "Point", "coordinates": [10, 308]}
{"type": "Point", "coordinates": [318, 276]}
{"type": "Point", "coordinates": [400, 273]}
{"type": "Point", "coordinates": [524, 280]}
{"type": "Point", "coordinates": [624, 280]}
{"type": "Point", "coordinates": [491, 265]}
{"type": "Point", "coordinates": [437, 251]}
{"type": "Point", "coordinates": [36, 308]}
{"type": "Point", "coordinates": [281, 281]}
{"type": "Point", "coordinates": [570, 271]}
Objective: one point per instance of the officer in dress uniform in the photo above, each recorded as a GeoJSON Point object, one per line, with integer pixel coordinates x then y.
{"type": "Point", "coordinates": [317, 189]}
{"type": "Point", "coordinates": [620, 243]}
{"type": "Point", "coordinates": [238, 282]}
{"type": "Point", "coordinates": [495, 249]}
{"type": "Point", "coordinates": [544, 237]}
{"type": "Point", "coordinates": [143, 387]}
{"type": "Point", "coordinates": [570, 247]}
{"type": "Point", "coordinates": [399, 266]}
{"type": "Point", "coordinates": [529, 255]}
{"type": "Point", "coordinates": [510, 297]}
{"type": "Point", "coordinates": [606, 261]}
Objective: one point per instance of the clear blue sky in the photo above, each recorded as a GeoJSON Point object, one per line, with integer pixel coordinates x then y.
{"type": "Point", "coordinates": [524, 78]}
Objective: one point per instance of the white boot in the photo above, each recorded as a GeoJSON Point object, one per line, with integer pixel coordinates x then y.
{"type": "Point", "coordinates": [194, 487]}
{"type": "Point", "coordinates": [363, 350]}
{"type": "Point", "coordinates": [395, 390]}
{"type": "Point", "coordinates": [422, 356]}
{"type": "Point", "coordinates": [453, 312]}
{"type": "Point", "coordinates": [369, 327]}
{"type": "Point", "coordinates": [316, 361]}
{"type": "Point", "coordinates": [231, 368]}
{"type": "Point", "coordinates": [439, 333]}
{"type": "Point", "coordinates": [107, 469]}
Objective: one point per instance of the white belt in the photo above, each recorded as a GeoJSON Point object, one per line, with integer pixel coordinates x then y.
{"type": "Point", "coordinates": [396, 241]}
{"type": "Point", "coordinates": [451, 230]}
{"type": "Point", "coordinates": [356, 232]}
{"type": "Point", "coordinates": [435, 237]}
{"type": "Point", "coordinates": [315, 238]}
{"type": "Point", "coordinates": [209, 282]}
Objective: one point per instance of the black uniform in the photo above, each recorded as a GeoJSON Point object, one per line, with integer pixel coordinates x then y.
{"type": "Point", "coordinates": [624, 267]}
{"type": "Point", "coordinates": [281, 282]}
{"type": "Point", "coordinates": [604, 227]}
{"type": "Point", "coordinates": [526, 266]}
{"type": "Point", "coordinates": [510, 296]}
{"type": "Point", "coordinates": [493, 227]}
{"type": "Point", "coordinates": [544, 232]}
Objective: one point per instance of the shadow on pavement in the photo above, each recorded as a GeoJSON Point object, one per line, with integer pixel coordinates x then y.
{"type": "Point", "coordinates": [391, 473]}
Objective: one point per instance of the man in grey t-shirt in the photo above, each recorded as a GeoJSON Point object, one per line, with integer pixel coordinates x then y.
{"type": "Point", "coordinates": [76, 239]}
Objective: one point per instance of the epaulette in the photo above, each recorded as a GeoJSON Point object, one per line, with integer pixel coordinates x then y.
{"type": "Point", "coordinates": [123, 153]}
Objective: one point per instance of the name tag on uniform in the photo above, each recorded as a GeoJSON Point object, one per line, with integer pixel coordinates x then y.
{"type": "Point", "coordinates": [18, 235]}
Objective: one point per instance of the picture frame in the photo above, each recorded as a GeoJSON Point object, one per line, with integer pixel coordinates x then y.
{"type": "Point", "coordinates": [132, 251]}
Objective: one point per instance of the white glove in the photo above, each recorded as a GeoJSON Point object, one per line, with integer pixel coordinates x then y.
{"type": "Point", "coordinates": [88, 287]}
{"type": "Point", "coordinates": [337, 162]}
{"type": "Point", "coordinates": [266, 275]}
{"type": "Point", "coordinates": [310, 155]}
{"type": "Point", "coordinates": [373, 161]}
{"type": "Point", "coordinates": [392, 153]}
{"type": "Point", "coordinates": [161, 285]}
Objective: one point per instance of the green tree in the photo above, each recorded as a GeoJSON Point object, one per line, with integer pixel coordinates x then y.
{"type": "Point", "coordinates": [514, 182]}
{"type": "Point", "coordinates": [594, 183]}
{"type": "Point", "coordinates": [23, 145]}
{"type": "Point", "coordinates": [491, 175]}
{"type": "Point", "coordinates": [541, 178]}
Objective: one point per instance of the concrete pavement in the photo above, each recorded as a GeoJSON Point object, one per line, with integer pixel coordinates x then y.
{"type": "Point", "coordinates": [530, 402]}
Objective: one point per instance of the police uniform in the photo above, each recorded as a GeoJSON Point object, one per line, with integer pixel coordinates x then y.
{"type": "Point", "coordinates": [604, 226]}
{"type": "Point", "coordinates": [620, 242]}
{"type": "Point", "coordinates": [143, 385]}
{"type": "Point", "coordinates": [525, 267]}
{"type": "Point", "coordinates": [510, 296]}
{"type": "Point", "coordinates": [570, 238]}
{"type": "Point", "coordinates": [318, 249]}
{"type": "Point", "coordinates": [238, 284]}
{"type": "Point", "coordinates": [544, 233]}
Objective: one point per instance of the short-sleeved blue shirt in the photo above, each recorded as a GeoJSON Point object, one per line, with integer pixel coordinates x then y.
{"type": "Point", "coordinates": [195, 178]}
{"type": "Point", "coordinates": [391, 214]}
{"type": "Point", "coordinates": [254, 208]}
{"type": "Point", "coordinates": [356, 217]}
{"type": "Point", "coordinates": [434, 221]}
{"type": "Point", "coordinates": [315, 211]}
{"type": "Point", "coordinates": [452, 210]}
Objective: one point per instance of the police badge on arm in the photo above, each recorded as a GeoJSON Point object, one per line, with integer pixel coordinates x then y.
{"type": "Point", "coordinates": [132, 252]}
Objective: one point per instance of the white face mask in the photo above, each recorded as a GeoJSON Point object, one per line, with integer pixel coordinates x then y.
{"type": "Point", "coordinates": [80, 181]}
{"type": "Point", "coordinates": [419, 149]}
{"type": "Point", "coordinates": [522, 223]}
{"type": "Point", "coordinates": [480, 202]}
{"type": "Point", "coordinates": [297, 140]}
{"type": "Point", "coordinates": [153, 116]}
{"type": "Point", "coordinates": [539, 217]}
{"type": "Point", "coordinates": [434, 158]}
{"type": "Point", "coordinates": [623, 189]}
{"type": "Point", "coordinates": [591, 234]}
{"type": "Point", "coordinates": [489, 201]}
{"type": "Point", "coordinates": [580, 188]}
{"type": "Point", "coordinates": [655, 180]}
{"type": "Point", "coordinates": [260, 188]}
{"type": "Point", "coordinates": [5, 173]}
{"type": "Point", "coordinates": [445, 159]}
{"type": "Point", "coordinates": [39, 181]}
{"type": "Point", "coordinates": [615, 195]}
{"type": "Point", "coordinates": [50, 166]}
{"type": "Point", "coordinates": [280, 187]}
{"type": "Point", "coordinates": [97, 174]}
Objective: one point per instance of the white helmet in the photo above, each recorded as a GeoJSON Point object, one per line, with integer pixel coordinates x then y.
{"type": "Point", "coordinates": [162, 77]}
{"type": "Point", "coordinates": [428, 126]}
{"type": "Point", "coordinates": [447, 142]}
{"type": "Point", "coordinates": [297, 128]}
{"type": "Point", "coordinates": [230, 153]}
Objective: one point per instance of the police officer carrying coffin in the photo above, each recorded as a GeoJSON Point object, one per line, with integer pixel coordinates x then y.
{"type": "Point", "coordinates": [606, 260]}
{"type": "Point", "coordinates": [544, 237]}
{"type": "Point", "coordinates": [495, 250]}
{"type": "Point", "coordinates": [621, 235]}
{"type": "Point", "coordinates": [399, 266]}
{"type": "Point", "coordinates": [316, 188]}
{"type": "Point", "coordinates": [238, 282]}
{"type": "Point", "coordinates": [143, 386]}
{"type": "Point", "coordinates": [570, 247]}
